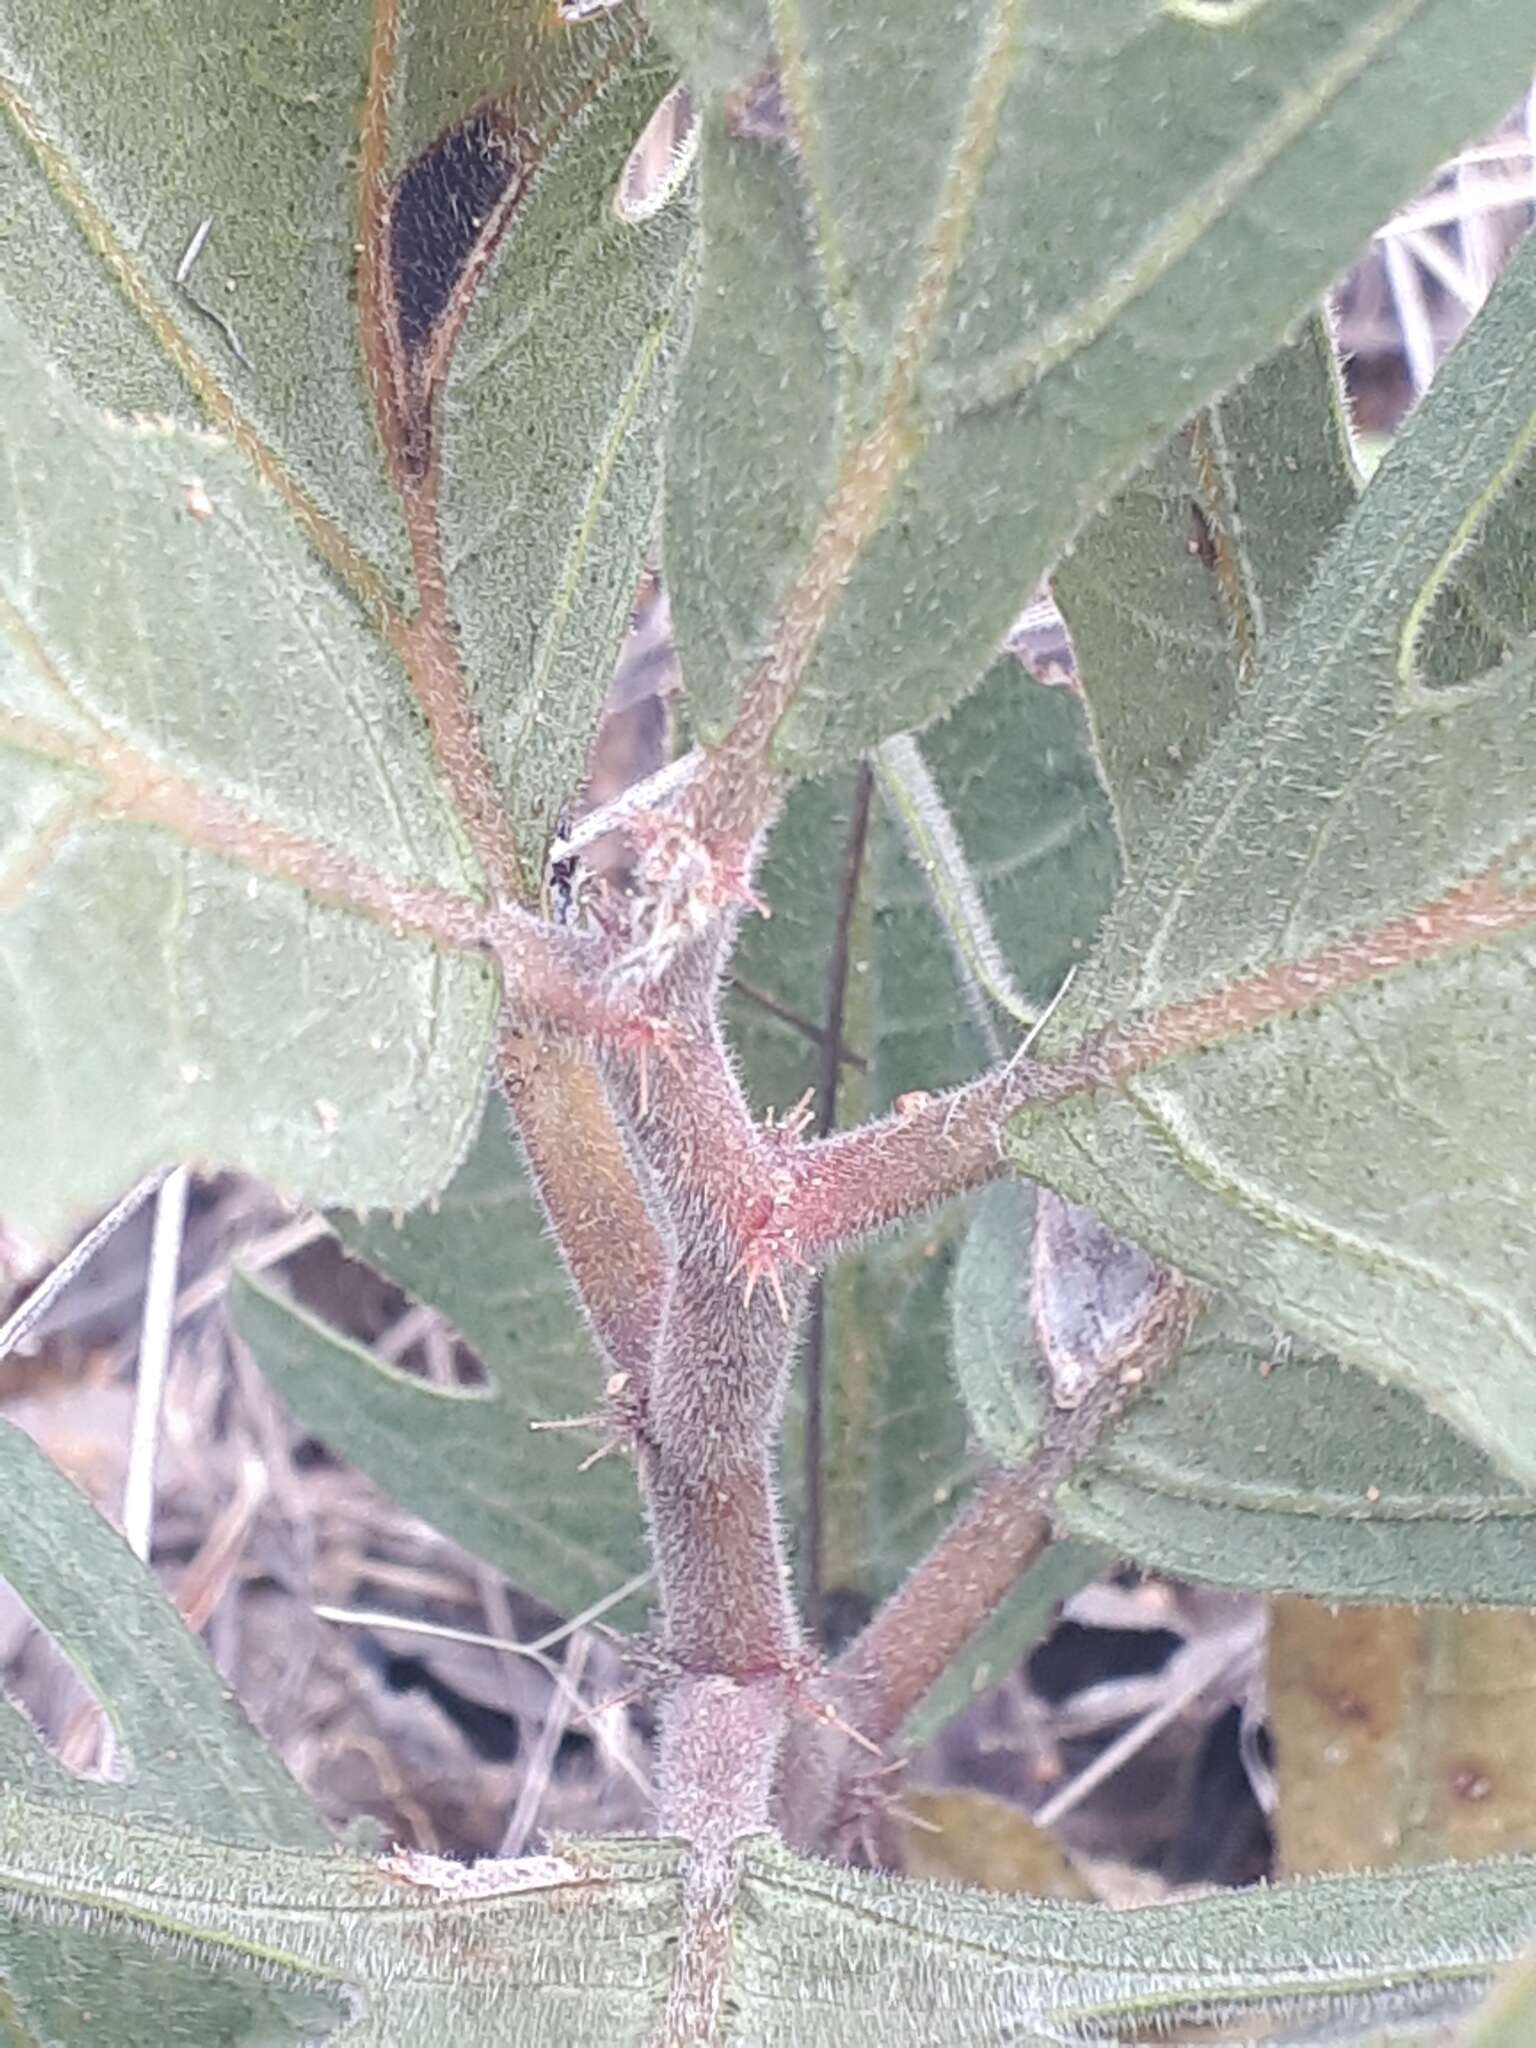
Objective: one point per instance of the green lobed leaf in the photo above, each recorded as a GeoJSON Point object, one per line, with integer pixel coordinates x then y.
{"type": "Point", "coordinates": [1340, 1134]}
{"type": "Point", "coordinates": [501, 134]}
{"type": "Point", "coordinates": [1264, 1465]}
{"type": "Point", "coordinates": [464, 1458]}
{"type": "Point", "coordinates": [778, 998]}
{"type": "Point", "coordinates": [941, 316]}
{"type": "Point", "coordinates": [1253, 1462]}
{"type": "Point", "coordinates": [925, 1967]}
{"type": "Point", "coordinates": [553, 425]}
{"type": "Point", "coordinates": [1001, 1377]}
{"type": "Point", "coordinates": [537, 1953]}
{"type": "Point", "coordinates": [186, 1754]}
{"type": "Point", "coordinates": [236, 614]}
{"type": "Point", "coordinates": [1173, 592]}
{"type": "Point", "coordinates": [898, 1456]}
{"type": "Point", "coordinates": [68, 1984]}
{"type": "Point", "coordinates": [263, 1028]}
{"type": "Point", "coordinates": [578, 1945]}
{"type": "Point", "coordinates": [1300, 1476]}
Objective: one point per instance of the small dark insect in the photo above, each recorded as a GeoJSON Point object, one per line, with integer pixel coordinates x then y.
{"type": "Point", "coordinates": [563, 880]}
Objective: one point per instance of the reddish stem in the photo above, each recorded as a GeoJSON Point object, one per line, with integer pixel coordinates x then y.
{"type": "Point", "coordinates": [906, 1649]}
{"type": "Point", "coordinates": [998, 1534]}
{"type": "Point", "coordinates": [851, 1186]}
{"type": "Point", "coordinates": [888, 1670]}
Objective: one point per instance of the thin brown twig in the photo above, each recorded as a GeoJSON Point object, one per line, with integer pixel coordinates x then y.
{"type": "Point", "coordinates": [761, 1000]}
{"type": "Point", "coordinates": [814, 1368]}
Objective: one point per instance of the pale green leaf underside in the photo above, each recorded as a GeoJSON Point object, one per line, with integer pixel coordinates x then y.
{"type": "Point", "coordinates": [997, 1365]}
{"type": "Point", "coordinates": [579, 1949]}
{"type": "Point", "coordinates": [898, 1459]}
{"type": "Point", "coordinates": [1021, 243]}
{"type": "Point", "coordinates": [554, 397]}
{"type": "Point", "coordinates": [1261, 1466]}
{"type": "Point", "coordinates": [162, 624]}
{"type": "Point", "coordinates": [465, 1460]}
{"type": "Point", "coordinates": [1359, 1168]}
{"type": "Point", "coordinates": [553, 426]}
{"type": "Point", "coordinates": [1254, 1462]}
{"type": "Point", "coordinates": [1174, 591]}
{"type": "Point", "coordinates": [539, 1967]}
{"type": "Point", "coordinates": [186, 1754]}
{"type": "Point", "coordinates": [777, 999]}
{"type": "Point", "coordinates": [61, 1985]}
{"type": "Point", "coordinates": [1013, 772]}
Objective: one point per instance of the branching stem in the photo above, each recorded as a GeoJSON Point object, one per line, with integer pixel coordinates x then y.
{"type": "Point", "coordinates": [722, 1357]}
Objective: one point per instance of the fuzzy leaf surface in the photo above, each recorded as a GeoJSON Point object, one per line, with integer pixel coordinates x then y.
{"type": "Point", "coordinates": [924, 1967]}
{"type": "Point", "coordinates": [577, 1945]}
{"type": "Point", "coordinates": [464, 1458]}
{"type": "Point", "coordinates": [936, 329]}
{"type": "Point", "coordinates": [186, 1754]}
{"type": "Point", "coordinates": [1007, 786]}
{"type": "Point", "coordinates": [64, 1984]}
{"type": "Point", "coordinates": [1276, 1468]}
{"type": "Point", "coordinates": [1254, 1462]}
{"type": "Point", "coordinates": [184, 694]}
{"type": "Point", "coordinates": [1173, 592]}
{"type": "Point", "coordinates": [547, 1951]}
{"type": "Point", "coordinates": [411, 210]}
{"type": "Point", "coordinates": [214, 774]}
{"type": "Point", "coordinates": [1318, 989]}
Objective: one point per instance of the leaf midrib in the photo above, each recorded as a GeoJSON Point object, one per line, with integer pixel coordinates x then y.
{"type": "Point", "coordinates": [137, 790]}
{"type": "Point", "coordinates": [357, 571]}
{"type": "Point", "coordinates": [1314, 1233]}
{"type": "Point", "coordinates": [1159, 1479]}
{"type": "Point", "coordinates": [872, 466]}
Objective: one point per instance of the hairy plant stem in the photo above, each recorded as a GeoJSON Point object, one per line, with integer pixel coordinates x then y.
{"type": "Point", "coordinates": [722, 1355]}
{"type": "Point", "coordinates": [888, 1670]}
{"type": "Point", "coordinates": [585, 1176]}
